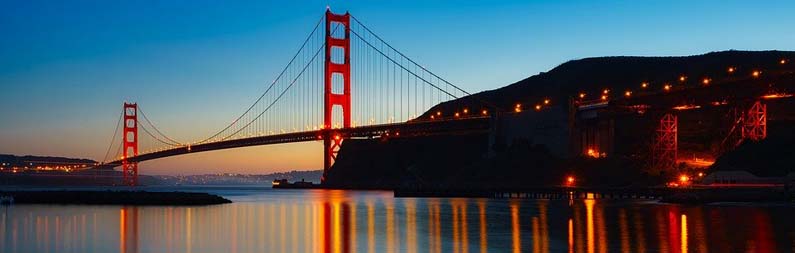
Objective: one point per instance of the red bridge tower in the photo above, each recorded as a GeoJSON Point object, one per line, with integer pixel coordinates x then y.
{"type": "Point", "coordinates": [130, 144]}
{"type": "Point", "coordinates": [336, 72]}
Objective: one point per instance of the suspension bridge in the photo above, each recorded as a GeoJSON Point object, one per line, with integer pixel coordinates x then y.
{"type": "Point", "coordinates": [346, 82]}
{"type": "Point", "coordinates": [343, 82]}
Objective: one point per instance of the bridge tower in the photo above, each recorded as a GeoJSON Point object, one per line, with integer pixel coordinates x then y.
{"type": "Point", "coordinates": [130, 144]}
{"type": "Point", "coordinates": [339, 73]}
{"type": "Point", "coordinates": [664, 150]}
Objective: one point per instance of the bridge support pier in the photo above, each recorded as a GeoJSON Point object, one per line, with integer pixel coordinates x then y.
{"type": "Point", "coordinates": [130, 144]}
{"type": "Point", "coordinates": [754, 125]}
{"type": "Point", "coordinates": [664, 150]}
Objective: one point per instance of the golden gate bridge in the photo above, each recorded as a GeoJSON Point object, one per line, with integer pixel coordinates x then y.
{"type": "Point", "coordinates": [347, 82]}
{"type": "Point", "coordinates": [313, 99]}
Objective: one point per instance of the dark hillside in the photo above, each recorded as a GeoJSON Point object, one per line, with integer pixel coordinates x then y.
{"type": "Point", "coordinates": [533, 149]}
{"type": "Point", "coordinates": [619, 73]}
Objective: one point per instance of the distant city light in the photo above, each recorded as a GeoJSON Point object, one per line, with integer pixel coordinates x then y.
{"type": "Point", "coordinates": [582, 95]}
{"type": "Point", "coordinates": [546, 101]}
{"type": "Point", "coordinates": [706, 81]}
{"type": "Point", "coordinates": [466, 110]}
{"type": "Point", "coordinates": [538, 107]}
{"type": "Point", "coordinates": [731, 70]}
{"type": "Point", "coordinates": [644, 85]}
{"type": "Point", "coordinates": [783, 61]}
{"type": "Point", "coordinates": [667, 87]}
{"type": "Point", "coordinates": [756, 73]}
{"type": "Point", "coordinates": [628, 93]}
{"type": "Point", "coordinates": [682, 78]}
{"type": "Point", "coordinates": [484, 112]}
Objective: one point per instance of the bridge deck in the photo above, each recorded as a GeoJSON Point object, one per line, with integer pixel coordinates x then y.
{"type": "Point", "coordinates": [469, 125]}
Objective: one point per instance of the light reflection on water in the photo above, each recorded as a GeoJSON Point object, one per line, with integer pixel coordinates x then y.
{"type": "Point", "coordinates": [265, 220]}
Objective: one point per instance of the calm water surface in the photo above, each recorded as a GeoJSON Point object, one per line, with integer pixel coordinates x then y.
{"type": "Point", "coordinates": [266, 220]}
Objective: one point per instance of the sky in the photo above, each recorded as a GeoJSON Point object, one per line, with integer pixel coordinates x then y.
{"type": "Point", "coordinates": [67, 66]}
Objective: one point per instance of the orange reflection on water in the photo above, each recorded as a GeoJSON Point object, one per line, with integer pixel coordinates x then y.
{"type": "Point", "coordinates": [370, 227]}
{"type": "Point", "coordinates": [515, 229]}
{"type": "Point", "coordinates": [571, 235]}
{"type": "Point", "coordinates": [390, 226]}
{"type": "Point", "coordinates": [683, 234]}
{"type": "Point", "coordinates": [483, 233]}
{"type": "Point", "coordinates": [434, 226]}
{"type": "Point", "coordinates": [623, 230]}
{"type": "Point", "coordinates": [589, 224]}
{"type": "Point", "coordinates": [411, 227]}
{"type": "Point", "coordinates": [128, 229]}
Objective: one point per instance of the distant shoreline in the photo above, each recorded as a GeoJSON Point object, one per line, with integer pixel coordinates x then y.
{"type": "Point", "coordinates": [64, 197]}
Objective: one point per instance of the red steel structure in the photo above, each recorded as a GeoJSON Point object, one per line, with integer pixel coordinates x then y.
{"type": "Point", "coordinates": [130, 144]}
{"type": "Point", "coordinates": [332, 140]}
{"type": "Point", "coordinates": [754, 125]}
{"type": "Point", "coordinates": [665, 145]}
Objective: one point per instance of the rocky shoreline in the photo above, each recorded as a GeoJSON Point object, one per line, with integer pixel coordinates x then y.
{"type": "Point", "coordinates": [113, 198]}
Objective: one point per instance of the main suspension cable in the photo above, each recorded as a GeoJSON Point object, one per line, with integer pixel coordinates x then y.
{"type": "Point", "coordinates": [174, 142]}
{"type": "Point", "coordinates": [113, 140]}
{"type": "Point", "coordinates": [270, 86]}
{"type": "Point", "coordinates": [404, 56]}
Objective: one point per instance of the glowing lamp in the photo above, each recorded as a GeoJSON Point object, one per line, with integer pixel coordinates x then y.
{"type": "Point", "coordinates": [756, 73]}
{"type": "Point", "coordinates": [605, 91]}
{"type": "Point", "coordinates": [604, 97]}
{"type": "Point", "coordinates": [628, 93]}
{"type": "Point", "coordinates": [538, 107]}
{"type": "Point", "coordinates": [731, 70]}
{"type": "Point", "coordinates": [582, 95]}
{"type": "Point", "coordinates": [706, 81]}
{"type": "Point", "coordinates": [684, 178]}
{"type": "Point", "coordinates": [644, 85]}
{"type": "Point", "coordinates": [783, 61]}
{"type": "Point", "coordinates": [667, 87]}
{"type": "Point", "coordinates": [546, 101]}
{"type": "Point", "coordinates": [484, 112]}
{"type": "Point", "coordinates": [466, 110]}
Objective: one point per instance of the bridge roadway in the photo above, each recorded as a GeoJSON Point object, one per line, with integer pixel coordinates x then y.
{"type": "Point", "coordinates": [453, 126]}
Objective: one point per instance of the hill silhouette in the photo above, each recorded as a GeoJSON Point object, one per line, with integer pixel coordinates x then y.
{"type": "Point", "coordinates": [618, 73]}
{"type": "Point", "coordinates": [523, 161]}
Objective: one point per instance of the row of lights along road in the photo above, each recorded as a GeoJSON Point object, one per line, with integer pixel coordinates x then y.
{"type": "Point", "coordinates": [606, 92]}
{"type": "Point", "coordinates": [667, 87]}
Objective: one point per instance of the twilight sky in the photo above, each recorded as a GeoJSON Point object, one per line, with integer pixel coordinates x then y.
{"type": "Point", "coordinates": [67, 66]}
